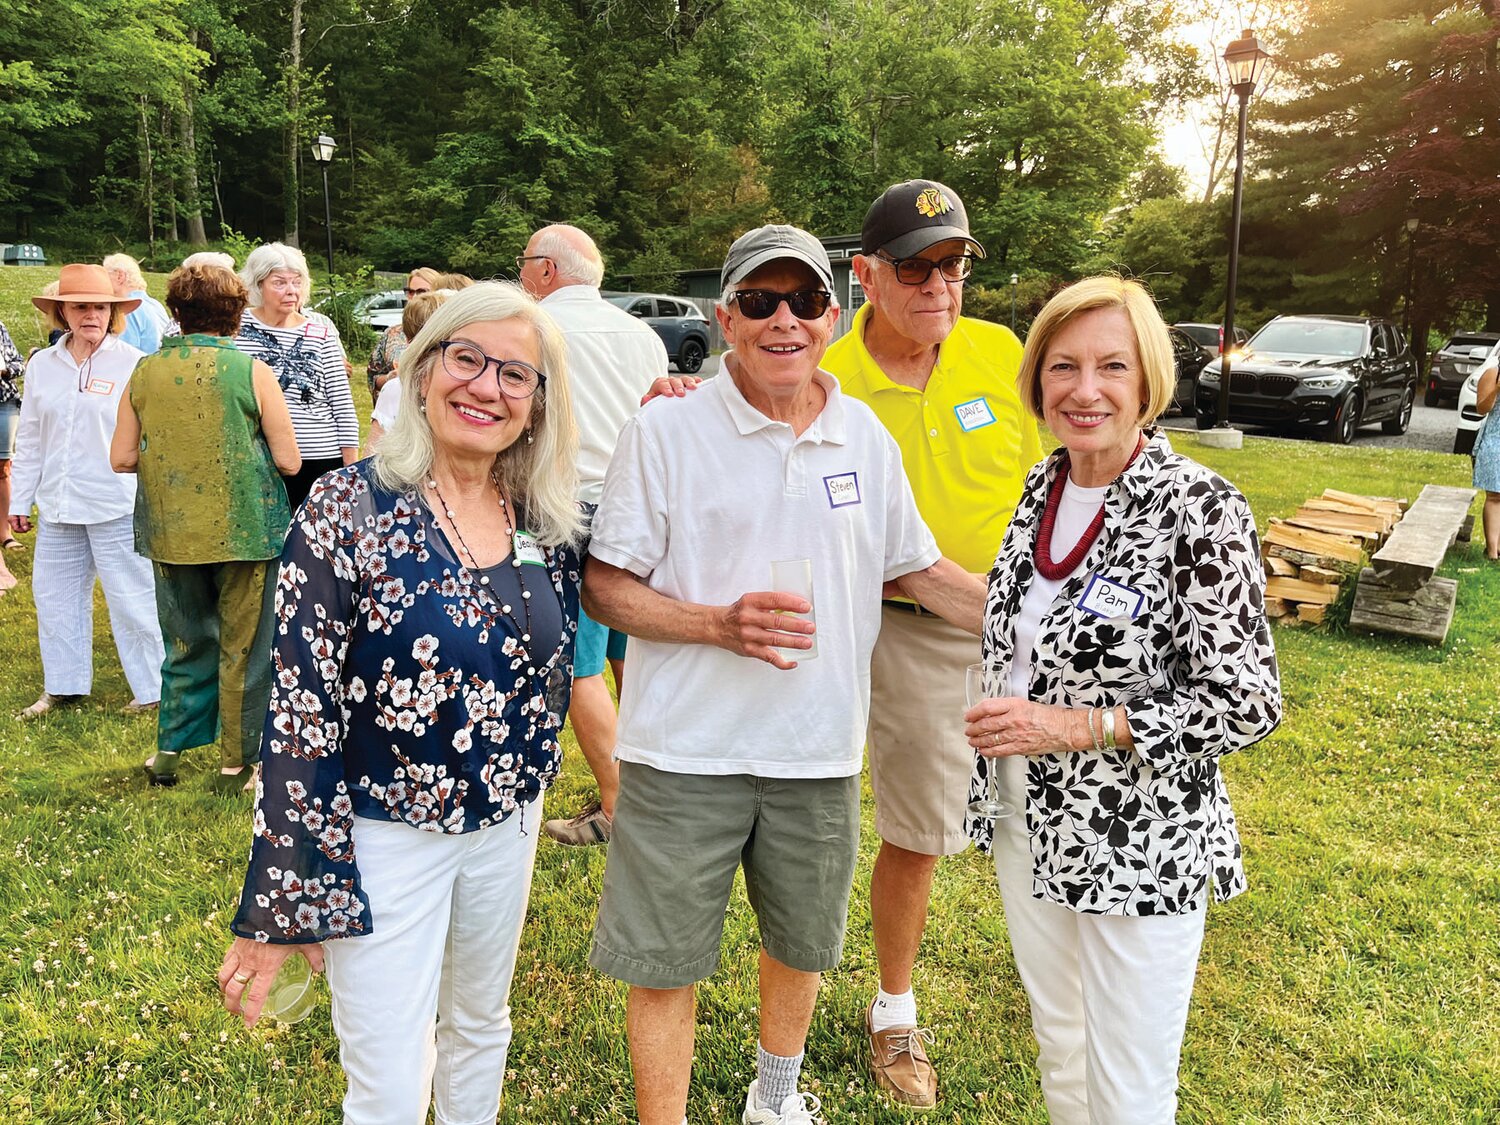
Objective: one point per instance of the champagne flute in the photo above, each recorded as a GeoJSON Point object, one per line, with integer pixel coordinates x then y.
{"type": "Point", "coordinates": [989, 681]}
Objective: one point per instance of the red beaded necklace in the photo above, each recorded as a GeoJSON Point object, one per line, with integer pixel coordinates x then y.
{"type": "Point", "coordinates": [1041, 552]}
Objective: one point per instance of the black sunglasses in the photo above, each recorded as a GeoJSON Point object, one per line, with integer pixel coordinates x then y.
{"type": "Point", "coordinates": [415, 292]}
{"type": "Point", "coordinates": [916, 271]}
{"type": "Point", "coordinates": [761, 304]}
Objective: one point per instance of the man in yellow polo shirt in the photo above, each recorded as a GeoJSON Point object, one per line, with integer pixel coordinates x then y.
{"type": "Point", "coordinates": [945, 387]}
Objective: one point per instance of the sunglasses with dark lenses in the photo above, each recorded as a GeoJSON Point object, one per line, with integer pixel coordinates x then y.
{"type": "Point", "coordinates": [466, 363]}
{"type": "Point", "coordinates": [761, 304]}
{"type": "Point", "coordinates": [415, 292]}
{"type": "Point", "coordinates": [916, 271]}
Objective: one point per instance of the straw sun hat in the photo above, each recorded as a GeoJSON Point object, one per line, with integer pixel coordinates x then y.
{"type": "Point", "coordinates": [85, 285]}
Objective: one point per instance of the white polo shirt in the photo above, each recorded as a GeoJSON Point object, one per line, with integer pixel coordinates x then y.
{"type": "Point", "coordinates": [613, 359]}
{"type": "Point", "coordinates": [703, 494]}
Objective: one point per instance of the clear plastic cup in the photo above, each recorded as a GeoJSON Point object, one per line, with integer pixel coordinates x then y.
{"type": "Point", "coordinates": [794, 576]}
{"type": "Point", "coordinates": [291, 996]}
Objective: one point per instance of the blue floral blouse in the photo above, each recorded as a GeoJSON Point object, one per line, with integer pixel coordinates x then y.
{"type": "Point", "coordinates": [402, 692]}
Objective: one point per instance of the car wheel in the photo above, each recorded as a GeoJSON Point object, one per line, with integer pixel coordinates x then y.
{"type": "Point", "coordinates": [1463, 442]}
{"type": "Point", "coordinates": [690, 357]}
{"type": "Point", "coordinates": [1402, 421]}
{"type": "Point", "coordinates": [1204, 421]}
{"type": "Point", "coordinates": [1432, 397]}
{"type": "Point", "coordinates": [1344, 425]}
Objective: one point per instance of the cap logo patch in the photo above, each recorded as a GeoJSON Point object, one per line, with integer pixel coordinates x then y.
{"type": "Point", "coordinates": [932, 203]}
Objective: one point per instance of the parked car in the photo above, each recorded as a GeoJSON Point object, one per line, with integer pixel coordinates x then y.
{"type": "Point", "coordinates": [1211, 336]}
{"type": "Point", "coordinates": [381, 310]}
{"type": "Point", "coordinates": [1469, 418]}
{"type": "Point", "coordinates": [1189, 357]}
{"type": "Point", "coordinates": [681, 325]}
{"type": "Point", "coordinates": [1336, 373]}
{"type": "Point", "coordinates": [1454, 362]}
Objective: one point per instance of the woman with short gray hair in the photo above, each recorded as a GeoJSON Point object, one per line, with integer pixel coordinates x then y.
{"type": "Point", "coordinates": [427, 603]}
{"type": "Point", "coordinates": [308, 360]}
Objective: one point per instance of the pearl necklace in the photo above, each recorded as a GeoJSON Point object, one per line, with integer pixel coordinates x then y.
{"type": "Point", "coordinates": [484, 579]}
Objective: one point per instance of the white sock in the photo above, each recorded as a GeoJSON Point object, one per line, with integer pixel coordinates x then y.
{"type": "Point", "coordinates": [893, 1011]}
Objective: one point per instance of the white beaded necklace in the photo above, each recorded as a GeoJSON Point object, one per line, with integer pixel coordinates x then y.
{"type": "Point", "coordinates": [484, 579]}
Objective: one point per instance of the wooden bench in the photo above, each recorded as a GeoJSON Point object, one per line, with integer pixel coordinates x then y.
{"type": "Point", "coordinates": [1397, 592]}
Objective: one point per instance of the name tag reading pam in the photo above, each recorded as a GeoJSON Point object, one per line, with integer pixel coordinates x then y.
{"type": "Point", "coordinates": [974, 414]}
{"type": "Point", "coordinates": [1104, 598]}
{"type": "Point", "coordinates": [527, 549]}
{"type": "Point", "coordinates": [101, 387]}
{"type": "Point", "coordinates": [843, 489]}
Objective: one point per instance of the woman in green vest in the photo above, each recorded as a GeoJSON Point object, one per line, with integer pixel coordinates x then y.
{"type": "Point", "coordinates": [206, 430]}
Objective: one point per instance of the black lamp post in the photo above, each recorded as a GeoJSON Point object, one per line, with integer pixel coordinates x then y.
{"type": "Point", "coordinates": [1246, 62]}
{"type": "Point", "coordinates": [1015, 279]}
{"type": "Point", "coordinates": [322, 150]}
{"type": "Point", "coordinates": [1411, 273]}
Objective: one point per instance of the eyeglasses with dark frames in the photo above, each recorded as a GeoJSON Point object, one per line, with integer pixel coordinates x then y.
{"type": "Point", "coordinates": [522, 259]}
{"type": "Point", "coordinates": [410, 293]}
{"type": "Point", "coordinates": [916, 271]}
{"type": "Point", "coordinates": [761, 304]}
{"type": "Point", "coordinates": [466, 363]}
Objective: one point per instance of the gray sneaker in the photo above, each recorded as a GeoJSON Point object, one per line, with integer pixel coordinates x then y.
{"type": "Point", "coordinates": [798, 1109]}
{"type": "Point", "coordinates": [591, 826]}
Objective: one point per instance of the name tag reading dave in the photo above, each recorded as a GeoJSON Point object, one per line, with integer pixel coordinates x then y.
{"type": "Point", "coordinates": [843, 489]}
{"type": "Point", "coordinates": [974, 414]}
{"type": "Point", "coordinates": [1104, 598]}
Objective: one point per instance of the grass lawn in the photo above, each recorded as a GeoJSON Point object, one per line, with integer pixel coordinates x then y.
{"type": "Point", "coordinates": [1358, 980]}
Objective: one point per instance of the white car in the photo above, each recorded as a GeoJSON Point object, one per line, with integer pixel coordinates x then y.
{"type": "Point", "coordinates": [381, 310]}
{"type": "Point", "coordinates": [1469, 419]}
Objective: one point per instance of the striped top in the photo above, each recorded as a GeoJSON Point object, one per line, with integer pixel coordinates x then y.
{"type": "Point", "coordinates": [309, 364]}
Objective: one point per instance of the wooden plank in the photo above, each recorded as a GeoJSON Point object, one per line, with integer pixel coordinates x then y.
{"type": "Point", "coordinates": [1311, 614]}
{"type": "Point", "coordinates": [1285, 568]}
{"type": "Point", "coordinates": [1426, 613]}
{"type": "Point", "coordinates": [1313, 542]}
{"type": "Point", "coordinates": [1318, 574]}
{"type": "Point", "coordinates": [1295, 590]}
{"type": "Point", "coordinates": [1278, 607]}
{"type": "Point", "coordinates": [1417, 545]}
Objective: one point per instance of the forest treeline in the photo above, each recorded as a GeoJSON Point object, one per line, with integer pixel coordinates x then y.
{"type": "Point", "coordinates": [666, 127]}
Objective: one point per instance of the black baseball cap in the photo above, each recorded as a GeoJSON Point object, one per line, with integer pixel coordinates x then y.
{"type": "Point", "coordinates": [755, 248]}
{"type": "Point", "coordinates": [911, 216]}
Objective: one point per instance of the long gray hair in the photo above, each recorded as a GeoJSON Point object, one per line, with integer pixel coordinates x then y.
{"type": "Point", "coordinates": [543, 473]}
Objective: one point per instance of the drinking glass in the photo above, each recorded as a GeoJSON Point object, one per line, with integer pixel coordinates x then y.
{"type": "Point", "coordinates": [989, 681]}
{"type": "Point", "coordinates": [794, 576]}
{"type": "Point", "coordinates": [291, 996]}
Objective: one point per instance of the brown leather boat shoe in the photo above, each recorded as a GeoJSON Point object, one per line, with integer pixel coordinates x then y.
{"type": "Point", "coordinates": [898, 1056]}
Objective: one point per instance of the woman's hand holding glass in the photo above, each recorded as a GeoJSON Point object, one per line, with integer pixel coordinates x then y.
{"type": "Point", "coordinates": [999, 728]}
{"type": "Point", "coordinates": [250, 968]}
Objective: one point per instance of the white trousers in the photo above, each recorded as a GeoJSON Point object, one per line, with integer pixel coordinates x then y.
{"type": "Point", "coordinates": [446, 913]}
{"type": "Point", "coordinates": [68, 557]}
{"type": "Point", "coordinates": [1109, 997]}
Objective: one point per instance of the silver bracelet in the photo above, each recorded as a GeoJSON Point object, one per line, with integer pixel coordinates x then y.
{"type": "Point", "coordinates": [1094, 736]}
{"type": "Point", "coordinates": [1107, 720]}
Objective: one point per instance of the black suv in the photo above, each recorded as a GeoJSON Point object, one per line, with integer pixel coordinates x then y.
{"type": "Point", "coordinates": [1453, 363]}
{"type": "Point", "coordinates": [678, 321]}
{"type": "Point", "coordinates": [1333, 372]}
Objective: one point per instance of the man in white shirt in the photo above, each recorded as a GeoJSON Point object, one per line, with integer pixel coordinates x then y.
{"type": "Point", "coordinates": [728, 761]}
{"type": "Point", "coordinates": [613, 359]}
{"type": "Point", "coordinates": [145, 326]}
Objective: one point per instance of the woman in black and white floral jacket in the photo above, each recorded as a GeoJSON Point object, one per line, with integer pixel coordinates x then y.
{"type": "Point", "coordinates": [1127, 603]}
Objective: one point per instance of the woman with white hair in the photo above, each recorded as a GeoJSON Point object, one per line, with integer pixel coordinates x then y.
{"type": "Point", "coordinates": [149, 323]}
{"type": "Point", "coordinates": [426, 608]}
{"type": "Point", "coordinates": [84, 510]}
{"type": "Point", "coordinates": [308, 360]}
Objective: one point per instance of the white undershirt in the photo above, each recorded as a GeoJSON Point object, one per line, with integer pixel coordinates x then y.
{"type": "Point", "coordinates": [1077, 510]}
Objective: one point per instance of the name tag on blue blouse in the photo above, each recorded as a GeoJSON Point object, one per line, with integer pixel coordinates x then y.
{"type": "Point", "coordinates": [527, 549]}
{"type": "Point", "coordinates": [843, 489]}
{"type": "Point", "coordinates": [974, 414]}
{"type": "Point", "coordinates": [1104, 598]}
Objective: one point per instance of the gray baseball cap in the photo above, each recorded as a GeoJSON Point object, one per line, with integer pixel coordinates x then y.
{"type": "Point", "coordinates": [755, 248]}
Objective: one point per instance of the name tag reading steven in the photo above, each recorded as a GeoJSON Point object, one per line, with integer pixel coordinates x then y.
{"type": "Point", "coordinates": [843, 489]}
{"type": "Point", "coordinates": [527, 549]}
{"type": "Point", "coordinates": [1104, 598]}
{"type": "Point", "coordinates": [101, 387]}
{"type": "Point", "coordinates": [974, 414]}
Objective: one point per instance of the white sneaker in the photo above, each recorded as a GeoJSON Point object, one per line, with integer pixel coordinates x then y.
{"type": "Point", "coordinates": [799, 1109]}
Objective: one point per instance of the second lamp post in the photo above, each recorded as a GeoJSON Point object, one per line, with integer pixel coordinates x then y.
{"type": "Point", "coordinates": [322, 150]}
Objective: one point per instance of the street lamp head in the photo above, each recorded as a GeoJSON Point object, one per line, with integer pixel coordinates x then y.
{"type": "Point", "coordinates": [1412, 224]}
{"type": "Point", "coordinates": [1015, 279]}
{"type": "Point", "coordinates": [1246, 62]}
{"type": "Point", "coordinates": [322, 149]}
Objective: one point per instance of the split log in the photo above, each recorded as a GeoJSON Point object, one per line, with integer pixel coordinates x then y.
{"type": "Point", "coordinates": [1303, 558]}
{"type": "Point", "coordinates": [1319, 574]}
{"type": "Point", "coordinates": [1286, 568]}
{"type": "Point", "coordinates": [1343, 523]}
{"type": "Point", "coordinates": [1313, 542]}
{"type": "Point", "coordinates": [1277, 607]}
{"type": "Point", "coordinates": [1311, 614]}
{"type": "Point", "coordinates": [1295, 590]}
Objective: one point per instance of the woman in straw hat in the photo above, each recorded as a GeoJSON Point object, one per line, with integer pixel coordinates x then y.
{"type": "Point", "coordinates": [84, 509]}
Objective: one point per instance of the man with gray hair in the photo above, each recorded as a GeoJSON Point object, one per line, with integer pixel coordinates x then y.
{"type": "Point", "coordinates": [613, 359]}
{"type": "Point", "coordinates": [144, 327]}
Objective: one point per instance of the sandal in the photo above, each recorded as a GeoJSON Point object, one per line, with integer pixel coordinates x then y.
{"type": "Point", "coordinates": [11, 543]}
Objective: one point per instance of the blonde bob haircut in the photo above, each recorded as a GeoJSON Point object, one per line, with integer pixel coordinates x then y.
{"type": "Point", "coordinates": [1153, 344]}
{"type": "Point", "coordinates": [541, 475]}
{"type": "Point", "coordinates": [57, 321]}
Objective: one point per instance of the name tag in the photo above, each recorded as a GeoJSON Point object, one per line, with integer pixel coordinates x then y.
{"type": "Point", "coordinates": [315, 331]}
{"type": "Point", "coordinates": [974, 414]}
{"type": "Point", "coordinates": [101, 387]}
{"type": "Point", "coordinates": [527, 549]}
{"type": "Point", "coordinates": [843, 489]}
{"type": "Point", "coordinates": [1104, 598]}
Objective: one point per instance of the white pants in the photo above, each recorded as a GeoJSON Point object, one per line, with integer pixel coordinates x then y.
{"type": "Point", "coordinates": [68, 556]}
{"type": "Point", "coordinates": [1109, 997]}
{"type": "Point", "coordinates": [446, 913]}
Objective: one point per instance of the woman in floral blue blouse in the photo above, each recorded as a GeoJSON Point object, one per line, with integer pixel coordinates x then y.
{"type": "Point", "coordinates": [1127, 606]}
{"type": "Point", "coordinates": [426, 608]}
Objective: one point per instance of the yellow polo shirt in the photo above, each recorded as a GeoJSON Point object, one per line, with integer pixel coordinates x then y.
{"type": "Point", "coordinates": [966, 441]}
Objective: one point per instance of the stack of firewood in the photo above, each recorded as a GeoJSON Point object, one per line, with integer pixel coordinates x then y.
{"type": "Point", "coordinates": [1311, 555]}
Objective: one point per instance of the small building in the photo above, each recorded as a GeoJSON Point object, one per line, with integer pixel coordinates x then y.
{"type": "Point", "coordinates": [22, 254]}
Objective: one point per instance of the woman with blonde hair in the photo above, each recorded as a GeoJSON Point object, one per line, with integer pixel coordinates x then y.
{"type": "Point", "coordinates": [393, 341]}
{"type": "Point", "coordinates": [1126, 612]}
{"type": "Point", "coordinates": [426, 609]}
{"type": "Point", "coordinates": [413, 317]}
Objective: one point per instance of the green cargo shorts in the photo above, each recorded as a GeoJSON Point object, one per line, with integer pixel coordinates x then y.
{"type": "Point", "coordinates": [676, 843]}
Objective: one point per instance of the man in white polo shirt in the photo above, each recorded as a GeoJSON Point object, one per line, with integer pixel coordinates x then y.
{"type": "Point", "coordinates": [733, 751]}
{"type": "Point", "coordinates": [613, 359]}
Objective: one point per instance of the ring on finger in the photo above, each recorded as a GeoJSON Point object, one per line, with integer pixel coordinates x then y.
{"type": "Point", "coordinates": [241, 978]}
